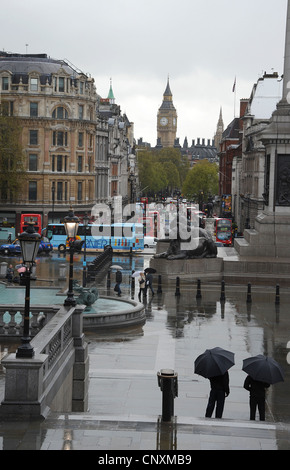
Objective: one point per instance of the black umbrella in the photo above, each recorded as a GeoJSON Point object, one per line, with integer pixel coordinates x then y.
{"type": "Point", "coordinates": [150, 271]}
{"type": "Point", "coordinates": [213, 362]}
{"type": "Point", "coordinates": [263, 369]}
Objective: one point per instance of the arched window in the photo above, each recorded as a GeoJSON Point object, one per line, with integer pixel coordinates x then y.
{"type": "Point", "coordinates": [60, 113]}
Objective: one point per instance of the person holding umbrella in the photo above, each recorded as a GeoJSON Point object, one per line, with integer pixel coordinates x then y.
{"type": "Point", "coordinates": [219, 391]}
{"type": "Point", "coordinates": [149, 280]}
{"type": "Point", "coordinates": [118, 282]}
{"type": "Point", "coordinates": [257, 391]}
{"type": "Point", "coordinates": [262, 372]}
{"type": "Point", "coordinates": [213, 364]}
{"type": "Point", "coordinates": [142, 281]}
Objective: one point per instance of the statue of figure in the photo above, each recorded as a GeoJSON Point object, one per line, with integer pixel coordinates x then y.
{"type": "Point", "coordinates": [205, 248]}
{"type": "Point", "coordinates": [87, 296]}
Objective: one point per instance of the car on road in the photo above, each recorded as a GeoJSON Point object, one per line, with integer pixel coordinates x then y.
{"type": "Point", "coordinates": [150, 242]}
{"type": "Point", "coordinates": [14, 248]}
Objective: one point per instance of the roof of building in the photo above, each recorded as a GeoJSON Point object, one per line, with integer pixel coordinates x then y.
{"type": "Point", "coordinates": [266, 93]}
{"type": "Point", "coordinates": [233, 130]}
{"type": "Point", "coordinates": [167, 98]}
{"type": "Point", "coordinates": [22, 65]}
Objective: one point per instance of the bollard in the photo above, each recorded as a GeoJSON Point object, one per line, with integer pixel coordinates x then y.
{"type": "Point", "coordinates": [3, 269]}
{"type": "Point", "coordinates": [277, 298]}
{"type": "Point", "coordinates": [177, 290]}
{"type": "Point", "coordinates": [159, 288]}
{"type": "Point", "coordinates": [198, 292]}
{"type": "Point", "coordinates": [167, 381]}
{"type": "Point", "coordinates": [249, 294]}
{"type": "Point", "coordinates": [223, 297]}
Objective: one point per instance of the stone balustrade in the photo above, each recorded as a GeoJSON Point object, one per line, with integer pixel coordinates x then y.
{"type": "Point", "coordinates": [11, 319]}
{"type": "Point", "coordinates": [56, 377]}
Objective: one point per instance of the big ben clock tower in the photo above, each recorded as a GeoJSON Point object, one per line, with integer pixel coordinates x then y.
{"type": "Point", "coordinates": [167, 120]}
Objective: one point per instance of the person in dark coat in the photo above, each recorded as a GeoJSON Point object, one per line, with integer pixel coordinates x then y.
{"type": "Point", "coordinates": [118, 282]}
{"type": "Point", "coordinates": [257, 391]}
{"type": "Point", "coordinates": [219, 391]}
{"type": "Point", "coordinates": [10, 273]}
{"type": "Point", "coordinates": [149, 281]}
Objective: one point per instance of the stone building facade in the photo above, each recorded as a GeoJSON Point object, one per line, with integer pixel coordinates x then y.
{"type": "Point", "coordinates": [76, 153]}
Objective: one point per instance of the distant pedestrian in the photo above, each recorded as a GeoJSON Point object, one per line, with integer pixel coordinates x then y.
{"type": "Point", "coordinates": [149, 282]}
{"type": "Point", "coordinates": [118, 282]}
{"type": "Point", "coordinates": [10, 273]}
{"type": "Point", "coordinates": [142, 281]}
{"type": "Point", "coordinates": [257, 391]}
{"type": "Point", "coordinates": [219, 391]}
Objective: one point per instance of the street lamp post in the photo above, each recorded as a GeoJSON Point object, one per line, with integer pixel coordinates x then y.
{"type": "Point", "coordinates": [85, 224]}
{"type": "Point", "coordinates": [53, 199]}
{"type": "Point", "coordinates": [29, 243]}
{"type": "Point", "coordinates": [71, 223]}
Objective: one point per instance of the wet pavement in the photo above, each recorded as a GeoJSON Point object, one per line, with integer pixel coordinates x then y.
{"type": "Point", "coordinates": [125, 401]}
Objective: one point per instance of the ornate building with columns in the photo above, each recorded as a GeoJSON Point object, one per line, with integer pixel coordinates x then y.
{"type": "Point", "coordinates": [76, 146]}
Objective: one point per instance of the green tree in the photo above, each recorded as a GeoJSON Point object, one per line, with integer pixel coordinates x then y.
{"type": "Point", "coordinates": [202, 178]}
{"type": "Point", "coordinates": [161, 169]}
{"type": "Point", "coordinates": [12, 158]}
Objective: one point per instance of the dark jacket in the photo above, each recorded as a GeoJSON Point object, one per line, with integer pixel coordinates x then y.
{"type": "Point", "coordinates": [149, 279]}
{"type": "Point", "coordinates": [221, 382]}
{"type": "Point", "coordinates": [255, 387]}
{"type": "Point", "coordinates": [118, 277]}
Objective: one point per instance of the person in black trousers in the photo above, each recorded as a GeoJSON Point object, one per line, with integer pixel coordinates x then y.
{"type": "Point", "coordinates": [257, 391]}
{"type": "Point", "coordinates": [219, 391]}
{"type": "Point", "coordinates": [118, 282]}
{"type": "Point", "coordinates": [149, 283]}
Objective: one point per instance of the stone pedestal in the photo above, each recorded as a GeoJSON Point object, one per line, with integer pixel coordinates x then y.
{"type": "Point", "coordinates": [269, 238]}
{"type": "Point", "coordinates": [210, 269]}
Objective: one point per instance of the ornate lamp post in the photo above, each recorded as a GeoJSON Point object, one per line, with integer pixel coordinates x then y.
{"type": "Point", "coordinates": [29, 243]}
{"type": "Point", "coordinates": [71, 223]}
{"type": "Point", "coordinates": [85, 223]}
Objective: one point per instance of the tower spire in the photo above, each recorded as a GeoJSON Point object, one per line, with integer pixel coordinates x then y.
{"type": "Point", "coordinates": [111, 96]}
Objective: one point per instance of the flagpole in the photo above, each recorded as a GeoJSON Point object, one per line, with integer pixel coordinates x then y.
{"type": "Point", "coordinates": [235, 95]}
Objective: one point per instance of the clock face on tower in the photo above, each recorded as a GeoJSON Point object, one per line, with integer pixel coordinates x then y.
{"type": "Point", "coordinates": [163, 121]}
{"type": "Point", "coordinates": [174, 121]}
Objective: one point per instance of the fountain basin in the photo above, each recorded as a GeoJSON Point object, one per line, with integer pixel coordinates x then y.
{"type": "Point", "coordinates": [106, 312]}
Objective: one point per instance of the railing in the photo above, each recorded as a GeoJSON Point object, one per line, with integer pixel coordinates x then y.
{"type": "Point", "coordinates": [11, 319]}
{"type": "Point", "coordinates": [35, 385]}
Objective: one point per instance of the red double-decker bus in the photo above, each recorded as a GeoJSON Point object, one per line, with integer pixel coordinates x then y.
{"type": "Point", "coordinates": [223, 231]}
{"type": "Point", "coordinates": [26, 218]}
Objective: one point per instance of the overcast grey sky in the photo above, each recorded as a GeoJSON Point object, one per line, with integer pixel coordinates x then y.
{"type": "Point", "coordinates": [201, 44]}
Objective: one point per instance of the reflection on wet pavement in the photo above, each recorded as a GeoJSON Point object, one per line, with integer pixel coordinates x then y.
{"type": "Point", "coordinates": [123, 390]}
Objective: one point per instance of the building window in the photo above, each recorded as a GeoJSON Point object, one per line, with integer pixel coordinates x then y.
{"type": "Point", "coordinates": [81, 88]}
{"type": "Point", "coordinates": [32, 191]}
{"type": "Point", "coordinates": [7, 108]}
{"type": "Point", "coordinates": [5, 83]}
{"type": "Point", "coordinates": [59, 163]}
{"type": "Point", "coordinates": [114, 188]}
{"type": "Point", "coordinates": [81, 112]}
{"type": "Point", "coordinates": [32, 162]}
{"type": "Point", "coordinates": [114, 169]}
{"type": "Point", "coordinates": [59, 194]}
{"type": "Point", "coordinates": [60, 113]}
{"type": "Point", "coordinates": [33, 109]}
{"type": "Point", "coordinates": [80, 163]}
{"type": "Point", "coordinates": [59, 138]}
{"type": "Point", "coordinates": [65, 191]}
{"type": "Point", "coordinates": [34, 84]}
{"type": "Point", "coordinates": [80, 191]}
{"type": "Point", "coordinates": [81, 139]}
{"type": "Point", "coordinates": [33, 137]}
{"type": "Point", "coordinates": [61, 84]}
